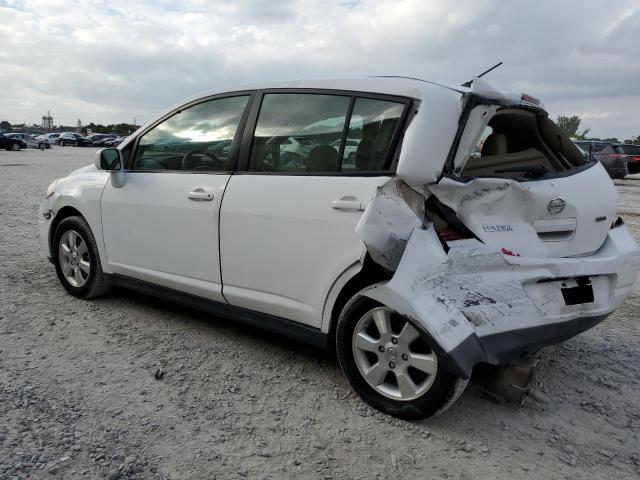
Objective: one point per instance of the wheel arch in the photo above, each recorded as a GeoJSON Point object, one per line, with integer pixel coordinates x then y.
{"type": "Point", "coordinates": [358, 276]}
{"type": "Point", "coordinates": [65, 212]}
{"type": "Point", "coordinates": [70, 208]}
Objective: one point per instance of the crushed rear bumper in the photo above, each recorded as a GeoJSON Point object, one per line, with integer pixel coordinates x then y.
{"type": "Point", "coordinates": [479, 305]}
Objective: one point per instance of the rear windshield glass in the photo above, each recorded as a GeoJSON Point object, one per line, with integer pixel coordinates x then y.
{"type": "Point", "coordinates": [522, 143]}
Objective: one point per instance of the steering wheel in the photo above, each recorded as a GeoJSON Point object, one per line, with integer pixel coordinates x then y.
{"type": "Point", "coordinates": [189, 163]}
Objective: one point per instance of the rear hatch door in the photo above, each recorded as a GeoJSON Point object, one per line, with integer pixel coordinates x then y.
{"type": "Point", "coordinates": [520, 184]}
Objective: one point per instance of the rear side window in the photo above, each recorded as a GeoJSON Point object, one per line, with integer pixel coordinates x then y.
{"type": "Point", "coordinates": [371, 131]}
{"type": "Point", "coordinates": [295, 133]}
{"type": "Point", "coordinates": [318, 133]}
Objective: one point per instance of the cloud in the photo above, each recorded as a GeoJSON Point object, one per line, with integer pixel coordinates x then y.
{"type": "Point", "coordinates": [111, 61]}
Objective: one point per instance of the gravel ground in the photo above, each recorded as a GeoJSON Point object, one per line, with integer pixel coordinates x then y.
{"type": "Point", "coordinates": [78, 396]}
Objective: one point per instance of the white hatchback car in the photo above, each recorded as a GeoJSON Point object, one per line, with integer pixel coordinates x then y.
{"type": "Point", "coordinates": [416, 260]}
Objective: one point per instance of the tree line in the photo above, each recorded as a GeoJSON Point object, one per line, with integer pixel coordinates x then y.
{"type": "Point", "coordinates": [570, 124]}
{"type": "Point", "coordinates": [118, 128]}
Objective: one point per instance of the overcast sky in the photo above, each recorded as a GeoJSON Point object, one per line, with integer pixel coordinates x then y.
{"type": "Point", "coordinates": [112, 61]}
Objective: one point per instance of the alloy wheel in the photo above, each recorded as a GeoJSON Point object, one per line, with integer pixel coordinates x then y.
{"type": "Point", "coordinates": [392, 356]}
{"type": "Point", "coordinates": [73, 256]}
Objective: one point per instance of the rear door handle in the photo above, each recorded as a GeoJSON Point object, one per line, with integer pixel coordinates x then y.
{"type": "Point", "coordinates": [200, 194]}
{"type": "Point", "coordinates": [349, 203]}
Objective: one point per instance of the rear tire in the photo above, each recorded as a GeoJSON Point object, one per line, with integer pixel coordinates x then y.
{"type": "Point", "coordinates": [407, 382]}
{"type": "Point", "coordinates": [77, 261]}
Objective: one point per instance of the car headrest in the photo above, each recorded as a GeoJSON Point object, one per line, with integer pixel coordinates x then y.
{"type": "Point", "coordinates": [323, 158]}
{"type": "Point", "coordinates": [495, 144]}
{"type": "Point", "coordinates": [364, 154]}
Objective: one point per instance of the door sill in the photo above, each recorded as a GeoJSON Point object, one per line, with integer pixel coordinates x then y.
{"type": "Point", "coordinates": [271, 323]}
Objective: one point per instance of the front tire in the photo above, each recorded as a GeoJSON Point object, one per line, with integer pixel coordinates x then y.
{"type": "Point", "coordinates": [15, 147]}
{"type": "Point", "coordinates": [77, 260]}
{"type": "Point", "coordinates": [390, 363]}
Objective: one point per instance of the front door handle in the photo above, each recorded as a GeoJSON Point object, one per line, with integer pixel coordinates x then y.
{"type": "Point", "coordinates": [349, 203]}
{"type": "Point", "coordinates": [200, 194]}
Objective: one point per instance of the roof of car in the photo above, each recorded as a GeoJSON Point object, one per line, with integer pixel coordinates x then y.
{"type": "Point", "coordinates": [390, 85]}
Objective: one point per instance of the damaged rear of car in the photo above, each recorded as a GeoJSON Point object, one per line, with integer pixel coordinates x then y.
{"type": "Point", "coordinates": [506, 244]}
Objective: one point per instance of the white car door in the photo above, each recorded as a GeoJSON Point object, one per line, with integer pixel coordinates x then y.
{"type": "Point", "coordinates": [161, 226]}
{"type": "Point", "coordinates": [287, 228]}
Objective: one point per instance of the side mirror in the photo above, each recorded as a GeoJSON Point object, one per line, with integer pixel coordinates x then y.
{"type": "Point", "coordinates": [108, 159]}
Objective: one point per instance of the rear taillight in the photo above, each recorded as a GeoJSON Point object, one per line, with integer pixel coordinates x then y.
{"type": "Point", "coordinates": [616, 155]}
{"type": "Point", "coordinates": [447, 234]}
{"type": "Point", "coordinates": [525, 97]}
{"type": "Point", "coordinates": [635, 158]}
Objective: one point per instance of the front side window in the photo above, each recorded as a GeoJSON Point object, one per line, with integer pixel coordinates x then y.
{"type": "Point", "coordinates": [306, 133]}
{"type": "Point", "coordinates": [197, 138]}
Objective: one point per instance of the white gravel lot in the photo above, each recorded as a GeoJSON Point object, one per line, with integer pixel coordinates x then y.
{"type": "Point", "coordinates": [78, 398]}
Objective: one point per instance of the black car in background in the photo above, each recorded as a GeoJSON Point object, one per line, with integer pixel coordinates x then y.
{"type": "Point", "coordinates": [100, 139]}
{"type": "Point", "coordinates": [113, 142]}
{"type": "Point", "coordinates": [29, 141]}
{"type": "Point", "coordinates": [68, 138]}
{"type": "Point", "coordinates": [14, 144]}
{"type": "Point", "coordinates": [633, 156]}
{"type": "Point", "coordinates": [95, 140]}
{"type": "Point", "coordinates": [610, 155]}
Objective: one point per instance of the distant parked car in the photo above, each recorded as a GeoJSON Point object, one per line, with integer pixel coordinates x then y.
{"type": "Point", "coordinates": [9, 143]}
{"type": "Point", "coordinates": [92, 140]}
{"type": "Point", "coordinates": [68, 138]}
{"type": "Point", "coordinates": [350, 147]}
{"type": "Point", "coordinates": [610, 155]}
{"type": "Point", "coordinates": [633, 156]}
{"type": "Point", "coordinates": [294, 150]}
{"type": "Point", "coordinates": [29, 140]}
{"type": "Point", "coordinates": [100, 139]}
{"type": "Point", "coordinates": [113, 142]}
{"type": "Point", "coordinates": [50, 138]}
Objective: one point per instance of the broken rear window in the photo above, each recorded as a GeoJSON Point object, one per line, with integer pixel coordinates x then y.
{"type": "Point", "coordinates": [521, 143]}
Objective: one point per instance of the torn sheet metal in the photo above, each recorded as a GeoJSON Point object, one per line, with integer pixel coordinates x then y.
{"type": "Point", "coordinates": [517, 216]}
{"type": "Point", "coordinates": [479, 307]}
{"type": "Point", "coordinates": [476, 124]}
{"type": "Point", "coordinates": [387, 223]}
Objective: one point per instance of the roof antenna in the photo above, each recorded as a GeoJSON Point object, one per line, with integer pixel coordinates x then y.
{"type": "Point", "coordinates": [468, 84]}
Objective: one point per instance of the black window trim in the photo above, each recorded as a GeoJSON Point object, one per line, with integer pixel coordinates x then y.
{"type": "Point", "coordinates": [242, 167]}
{"type": "Point", "coordinates": [232, 159]}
